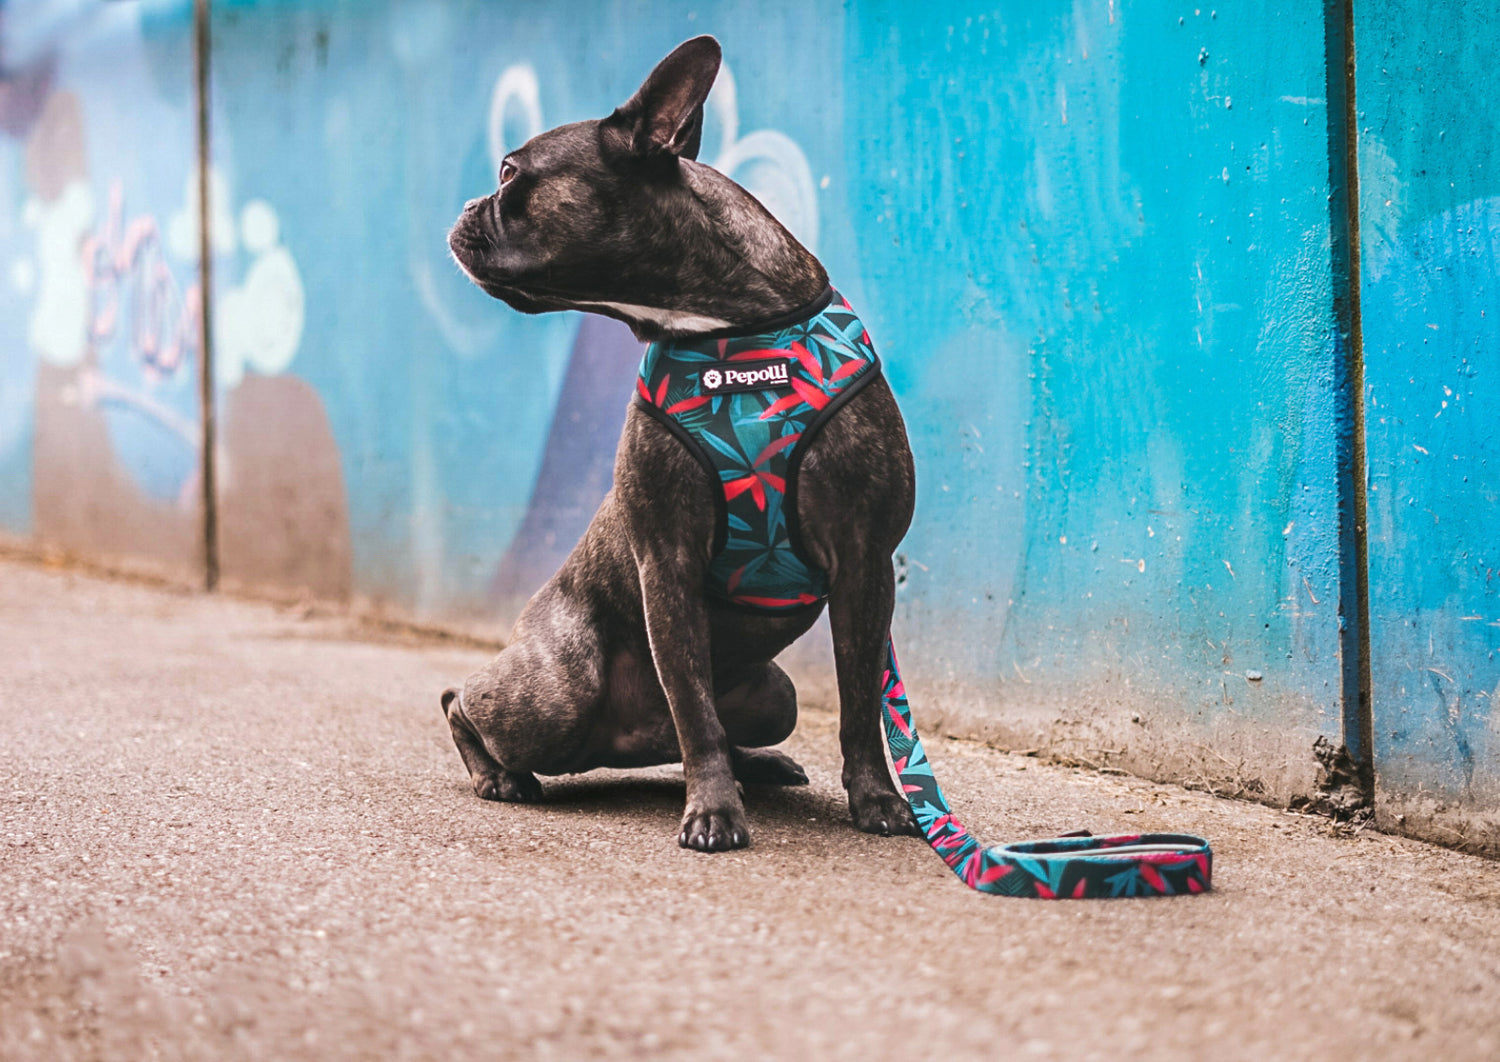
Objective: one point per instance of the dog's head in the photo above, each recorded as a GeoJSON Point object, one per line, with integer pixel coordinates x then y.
{"type": "Point", "coordinates": [613, 215]}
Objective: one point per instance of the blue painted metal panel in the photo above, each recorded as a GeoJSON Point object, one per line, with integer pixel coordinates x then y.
{"type": "Point", "coordinates": [1099, 244]}
{"type": "Point", "coordinates": [1429, 154]}
{"type": "Point", "coordinates": [1092, 245]}
{"type": "Point", "coordinates": [99, 294]}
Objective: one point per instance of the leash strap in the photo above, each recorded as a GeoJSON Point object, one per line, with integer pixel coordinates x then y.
{"type": "Point", "coordinates": [1151, 864]}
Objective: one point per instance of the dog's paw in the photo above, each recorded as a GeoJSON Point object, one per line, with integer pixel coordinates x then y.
{"type": "Point", "coordinates": [516, 787]}
{"type": "Point", "coordinates": [884, 813]}
{"type": "Point", "coordinates": [714, 831]}
{"type": "Point", "coordinates": [766, 767]}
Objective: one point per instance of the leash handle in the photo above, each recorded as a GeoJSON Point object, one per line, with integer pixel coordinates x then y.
{"type": "Point", "coordinates": [1152, 864]}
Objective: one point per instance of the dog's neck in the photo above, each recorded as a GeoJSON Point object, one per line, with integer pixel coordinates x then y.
{"type": "Point", "coordinates": [738, 265]}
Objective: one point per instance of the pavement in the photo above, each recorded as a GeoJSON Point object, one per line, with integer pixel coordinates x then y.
{"type": "Point", "coordinates": [235, 831]}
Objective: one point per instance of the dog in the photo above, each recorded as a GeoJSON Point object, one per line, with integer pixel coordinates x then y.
{"type": "Point", "coordinates": [625, 658]}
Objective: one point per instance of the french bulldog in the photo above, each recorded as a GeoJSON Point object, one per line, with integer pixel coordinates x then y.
{"type": "Point", "coordinates": [622, 659]}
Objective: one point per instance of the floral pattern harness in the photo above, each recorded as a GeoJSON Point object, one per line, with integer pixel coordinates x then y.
{"type": "Point", "coordinates": [747, 406]}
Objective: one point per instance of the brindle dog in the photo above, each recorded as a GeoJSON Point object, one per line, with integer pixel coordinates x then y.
{"type": "Point", "coordinates": [621, 659]}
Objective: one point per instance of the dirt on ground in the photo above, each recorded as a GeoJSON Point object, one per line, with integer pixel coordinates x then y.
{"type": "Point", "coordinates": [229, 831]}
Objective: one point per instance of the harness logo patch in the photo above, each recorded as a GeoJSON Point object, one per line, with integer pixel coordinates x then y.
{"type": "Point", "coordinates": [726, 377]}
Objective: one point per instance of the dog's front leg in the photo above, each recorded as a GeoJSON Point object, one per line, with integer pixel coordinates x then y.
{"type": "Point", "coordinates": [859, 612]}
{"type": "Point", "coordinates": [677, 626]}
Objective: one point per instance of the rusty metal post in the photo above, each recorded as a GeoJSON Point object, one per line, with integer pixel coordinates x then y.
{"type": "Point", "coordinates": [206, 396]}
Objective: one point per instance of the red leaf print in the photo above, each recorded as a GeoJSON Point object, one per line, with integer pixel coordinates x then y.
{"type": "Point", "coordinates": [661, 392]}
{"type": "Point", "coordinates": [777, 446]}
{"type": "Point", "coordinates": [812, 365]}
{"type": "Point", "coordinates": [690, 403]}
{"type": "Point", "coordinates": [971, 870]}
{"type": "Point", "coordinates": [640, 386]}
{"type": "Point", "coordinates": [759, 355]}
{"type": "Point", "coordinates": [758, 492]}
{"type": "Point", "coordinates": [995, 873]}
{"type": "Point", "coordinates": [776, 483]}
{"type": "Point", "coordinates": [848, 369]}
{"type": "Point", "coordinates": [783, 403]}
{"type": "Point", "coordinates": [734, 578]}
{"type": "Point", "coordinates": [775, 602]}
{"type": "Point", "coordinates": [1078, 889]}
{"type": "Point", "coordinates": [1152, 878]}
{"type": "Point", "coordinates": [900, 723]}
{"type": "Point", "coordinates": [735, 487]}
{"type": "Point", "coordinates": [810, 394]}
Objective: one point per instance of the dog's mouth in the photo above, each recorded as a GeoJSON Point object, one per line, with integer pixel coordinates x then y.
{"type": "Point", "coordinates": [506, 288]}
{"type": "Point", "coordinates": [469, 243]}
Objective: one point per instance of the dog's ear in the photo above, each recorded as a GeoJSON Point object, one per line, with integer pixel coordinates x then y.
{"type": "Point", "coordinates": [665, 116]}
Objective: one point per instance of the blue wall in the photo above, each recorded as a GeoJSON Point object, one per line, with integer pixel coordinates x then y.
{"type": "Point", "coordinates": [1093, 246]}
{"type": "Point", "coordinates": [1429, 160]}
{"type": "Point", "coordinates": [99, 282]}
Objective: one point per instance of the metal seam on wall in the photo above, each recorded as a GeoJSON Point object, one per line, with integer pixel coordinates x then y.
{"type": "Point", "coordinates": [1343, 214]}
{"type": "Point", "coordinates": [205, 317]}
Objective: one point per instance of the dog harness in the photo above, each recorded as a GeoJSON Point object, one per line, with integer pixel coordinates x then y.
{"type": "Point", "coordinates": [747, 403]}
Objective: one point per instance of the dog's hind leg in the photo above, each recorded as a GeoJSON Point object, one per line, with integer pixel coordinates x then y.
{"type": "Point", "coordinates": [761, 710]}
{"type": "Point", "coordinates": [491, 781]}
{"type": "Point", "coordinates": [765, 767]}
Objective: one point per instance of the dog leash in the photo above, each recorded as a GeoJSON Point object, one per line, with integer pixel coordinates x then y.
{"type": "Point", "coordinates": [1074, 867]}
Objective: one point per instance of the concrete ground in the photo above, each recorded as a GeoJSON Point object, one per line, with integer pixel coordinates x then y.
{"type": "Point", "coordinates": [229, 831]}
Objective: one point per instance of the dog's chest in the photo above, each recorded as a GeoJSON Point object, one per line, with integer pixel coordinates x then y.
{"type": "Point", "coordinates": [747, 406]}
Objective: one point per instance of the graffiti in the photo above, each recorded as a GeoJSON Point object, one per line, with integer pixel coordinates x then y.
{"type": "Point", "coordinates": [260, 320]}
{"type": "Point", "coordinates": [125, 273]}
{"type": "Point", "coordinates": [141, 329]}
{"type": "Point", "coordinates": [516, 88]}
{"type": "Point", "coordinates": [58, 326]}
{"type": "Point", "coordinates": [116, 308]}
{"type": "Point", "coordinates": [766, 162]}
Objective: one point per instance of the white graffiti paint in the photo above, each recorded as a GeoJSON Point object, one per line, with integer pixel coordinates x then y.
{"type": "Point", "coordinates": [768, 163]}
{"type": "Point", "coordinates": [260, 321]}
{"type": "Point", "coordinates": [516, 88]}
{"type": "Point", "coordinates": [182, 226]}
{"type": "Point", "coordinates": [59, 326]}
{"type": "Point", "coordinates": [23, 275]}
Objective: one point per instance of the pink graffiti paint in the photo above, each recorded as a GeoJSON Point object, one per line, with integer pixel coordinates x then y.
{"type": "Point", "coordinates": [127, 272]}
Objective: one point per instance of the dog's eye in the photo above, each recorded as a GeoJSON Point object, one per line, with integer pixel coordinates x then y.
{"type": "Point", "coordinates": [507, 171]}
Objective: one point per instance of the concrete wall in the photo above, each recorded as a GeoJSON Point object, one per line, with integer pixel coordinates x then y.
{"type": "Point", "coordinates": [1098, 247]}
{"type": "Point", "coordinates": [99, 283]}
{"type": "Point", "coordinates": [1429, 162]}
